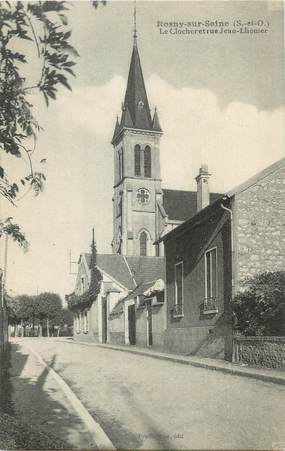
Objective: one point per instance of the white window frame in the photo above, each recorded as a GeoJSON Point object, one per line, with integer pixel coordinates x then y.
{"type": "Point", "coordinates": [182, 289]}
{"type": "Point", "coordinates": [209, 251]}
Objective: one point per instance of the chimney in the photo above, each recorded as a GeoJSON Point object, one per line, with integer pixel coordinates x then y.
{"type": "Point", "coordinates": [203, 191]}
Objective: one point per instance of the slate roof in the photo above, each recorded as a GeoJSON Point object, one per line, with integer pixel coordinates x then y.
{"type": "Point", "coordinates": [196, 220]}
{"type": "Point", "coordinates": [131, 270]}
{"type": "Point", "coordinates": [135, 110]}
{"type": "Point", "coordinates": [136, 93]}
{"type": "Point", "coordinates": [182, 205]}
{"type": "Point", "coordinates": [146, 269]}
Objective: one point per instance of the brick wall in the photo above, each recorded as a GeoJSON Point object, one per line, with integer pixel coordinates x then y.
{"type": "Point", "coordinates": [259, 227]}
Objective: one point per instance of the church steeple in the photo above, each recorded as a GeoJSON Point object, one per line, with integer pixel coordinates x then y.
{"type": "Point", "coordinates": [135, 109]}
{"type": "Point", "coordinates": [136, 97]}
{"type": "Point", "coordinates": [137, 179]}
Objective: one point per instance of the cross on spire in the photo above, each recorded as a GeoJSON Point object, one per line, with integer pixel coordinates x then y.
{"type": "Point", "coordinates": [135, 23]}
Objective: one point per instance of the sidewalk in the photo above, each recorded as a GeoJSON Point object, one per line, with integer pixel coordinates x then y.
{"type": "Point", "coordinates": [263, 374]}
{"type": "Point", "coordinates": [39, 398]}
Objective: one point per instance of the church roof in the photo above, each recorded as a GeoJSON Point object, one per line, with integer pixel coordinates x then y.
{"type": "Point", "coordinates": [130, 271]}
{"type": "Point", "coordinates": [182, 205]}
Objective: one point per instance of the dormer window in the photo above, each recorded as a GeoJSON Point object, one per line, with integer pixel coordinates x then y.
{"type": "Point", "coordinates": [140, 104]}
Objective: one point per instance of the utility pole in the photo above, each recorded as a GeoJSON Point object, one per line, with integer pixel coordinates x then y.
{"type": "Point", "coordinates": [3, 312]}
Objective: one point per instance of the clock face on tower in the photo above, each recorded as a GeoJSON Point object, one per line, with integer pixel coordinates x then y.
{"type": "Point", "coordinates": [143, 196]}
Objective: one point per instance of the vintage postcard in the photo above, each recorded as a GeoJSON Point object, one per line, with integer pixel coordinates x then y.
{"type": "Point", "coordinates": [142, 225]}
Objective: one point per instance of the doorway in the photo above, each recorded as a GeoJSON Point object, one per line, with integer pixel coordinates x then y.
{"type": "Point", "coordinates": [104, 320]}
{"type": "Point", "coordinates": [149, 322]}
{"type": "Point", "coordinates": [132, 324]}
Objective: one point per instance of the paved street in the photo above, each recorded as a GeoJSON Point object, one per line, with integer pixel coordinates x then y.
{"type": "Point", "coordinates": [146, 403]}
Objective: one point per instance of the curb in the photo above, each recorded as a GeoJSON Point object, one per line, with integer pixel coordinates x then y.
{"type": "Point", "coordinates": [100, 438]}
{"type": "Point", "coordinates": [245, 372]}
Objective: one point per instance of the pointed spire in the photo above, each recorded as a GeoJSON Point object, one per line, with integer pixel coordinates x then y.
{"type": "Point", "coordinates": [135, 109]}
{"type": "Point", "coordinates": [136, 97]}
{"type": "Point", "coordinates": [155, 122]}
{"type": "Point", "coordinates": [117, 128]}
{"type": "Point", "coordinates": [126, 120]}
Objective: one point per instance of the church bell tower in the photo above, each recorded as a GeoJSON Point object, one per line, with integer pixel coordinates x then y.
{"type": "Point", "coordinates": [137, 179]}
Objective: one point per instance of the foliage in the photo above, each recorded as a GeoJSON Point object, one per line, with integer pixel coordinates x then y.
{"type": "Point", "coordinates": [260, 308]}
{"type": "Point", "coordinates": [7, 227]}
{"type": "Point", "coordinates": [44, 25]}
{"type": "Point", "coordinates": [64, 318]}
{"type": "Point", "coordinates": [23, 308]}
{"type": "Point", "coordinates": [31, 33]}
{"type": "Point", "coordinates": [49, 305]}
{"type": "Point", "coordinates": [86, 299]}
{"type": "Point", "coordinates": [32, 309]}
{"type": "Point", "coordinates": [96, 276]}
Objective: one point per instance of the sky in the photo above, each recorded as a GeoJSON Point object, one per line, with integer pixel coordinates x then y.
{"type": "Point", "coordinates": [220, 100]}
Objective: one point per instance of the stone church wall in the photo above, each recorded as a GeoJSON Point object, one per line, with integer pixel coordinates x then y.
{"type": "Point", "coordinates": [259, 227]}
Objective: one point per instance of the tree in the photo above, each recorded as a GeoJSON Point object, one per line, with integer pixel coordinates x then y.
{"type": "Point", "coordinates": [23, 310]}
{"type": "Point", "coordinates": [50, 307]}
{"type": "Point", "coordinates": [43, 309]}
{"type": "Point", "coordinates": [43, 27]}
{"type": "Point", "coordinates": [64, 322]}
{"type": "Point", "coordinates": [260, 307]}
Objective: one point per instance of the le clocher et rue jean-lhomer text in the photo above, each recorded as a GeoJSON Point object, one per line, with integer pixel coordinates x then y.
{"type": "Point", "coordinates": [198, 27]}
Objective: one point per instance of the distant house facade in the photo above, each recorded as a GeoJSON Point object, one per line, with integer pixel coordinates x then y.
{"type": "Point", "coordinates": [120, 313]}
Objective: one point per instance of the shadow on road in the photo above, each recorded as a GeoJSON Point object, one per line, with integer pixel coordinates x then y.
{"type": "Point", "coordinates": [122, 436]}
{"type": "Point", "coordinates": [30, 400]}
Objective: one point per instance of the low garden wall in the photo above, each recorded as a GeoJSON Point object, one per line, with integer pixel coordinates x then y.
{"type": "Point", "coordinates": [268, 352]}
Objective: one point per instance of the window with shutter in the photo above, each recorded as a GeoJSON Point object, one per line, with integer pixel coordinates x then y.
{"type": "Point", "coordinates": [211, 274]}
{"type": "Point", "coordinates": [179, 283]}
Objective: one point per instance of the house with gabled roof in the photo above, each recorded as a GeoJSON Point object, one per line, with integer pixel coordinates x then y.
{"type": "Point", "coordinates": [122, 289]}
{"type": "Point", "coordinates": [211, 255]}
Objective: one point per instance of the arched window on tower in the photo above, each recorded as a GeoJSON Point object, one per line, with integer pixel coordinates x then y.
{"type": "Point", "coordinates": [137, 160]}
{"type": "Point", "coordinates": [147, 161]}
{"type": "Point", "coordinates": [121, 164]}
{"type": "Point", "coordinates": [143, 244]}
